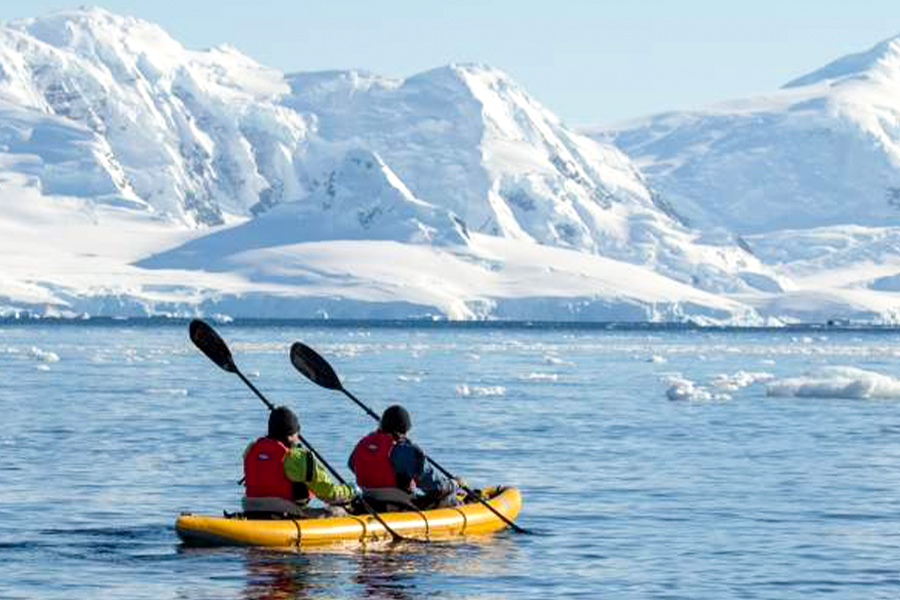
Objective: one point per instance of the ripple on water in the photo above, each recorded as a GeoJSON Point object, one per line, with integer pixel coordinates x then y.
{"type": "Point", "coordinates": [632, 496]}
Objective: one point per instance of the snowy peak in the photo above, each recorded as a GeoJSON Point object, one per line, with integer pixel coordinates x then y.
{"type": "Point", "coordinates": [823, 151]}
{"type": "Point", "coordinates": [200, 137]}
{"type": "Point", "coordinates": [882, 60]}
{"type": "Point", "coordinates": [92, 32]}
{"type": "Point", "coordinates": [128, 49]}
{"type": "Point", "coordinates": [192, 136]}
{"type": "Point", "coordinates": [508, 110]}
{"type": "Point", "coordinates": [505, 109]}
{"type": "Point", "coordinates": [808, 175]}
{"type": "Point", "coordinates": [468, 138]}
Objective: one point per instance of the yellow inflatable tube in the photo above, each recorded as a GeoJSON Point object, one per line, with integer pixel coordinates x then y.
{"type": "Point", "coordinates": [469, 519]}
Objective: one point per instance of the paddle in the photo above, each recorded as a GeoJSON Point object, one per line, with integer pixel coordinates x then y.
{"type": "Point", "coordinates": [316, 369]}
{"type": "Point", "coordinates": [215, 348]}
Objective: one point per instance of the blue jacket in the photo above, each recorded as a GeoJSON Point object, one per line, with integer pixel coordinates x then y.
{"type": "Point", "coordinates": [409, 463]}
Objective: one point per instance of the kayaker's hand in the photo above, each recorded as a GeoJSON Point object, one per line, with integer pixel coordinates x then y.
{"type": "Point", "coordinates": [460, 482]}
{"type": "Point", "coordinates": [472, 495]}
{"type": "Point", "coordinates": [355, 496]}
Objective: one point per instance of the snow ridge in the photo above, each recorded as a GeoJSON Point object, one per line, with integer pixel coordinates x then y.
{"type": "Point", "coordinates": [883, 58]}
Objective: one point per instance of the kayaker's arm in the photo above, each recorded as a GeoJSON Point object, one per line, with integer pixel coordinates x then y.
{"type": "Point", "coordinates": [300, 466]}
{"type": "Point", "coordinates": [409, 463]}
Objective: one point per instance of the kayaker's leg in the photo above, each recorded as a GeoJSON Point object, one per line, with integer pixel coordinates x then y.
{"type": "Point", "coordinates": [389, 499]}
{"type": "Point", "coordinates": [323, 512]}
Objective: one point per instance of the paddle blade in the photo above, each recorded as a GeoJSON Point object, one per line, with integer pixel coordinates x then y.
{"type": "Point", "coordinates": [314, 367]}
{"type": "Point", "coordinates": [209, 343]}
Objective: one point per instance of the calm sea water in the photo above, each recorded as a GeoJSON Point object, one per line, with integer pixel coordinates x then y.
{"type": "Point", "coordinates": [634, 496]}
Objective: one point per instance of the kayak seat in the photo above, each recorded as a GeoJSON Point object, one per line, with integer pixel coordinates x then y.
{"type": "Point", "coordinates": [384, 500]}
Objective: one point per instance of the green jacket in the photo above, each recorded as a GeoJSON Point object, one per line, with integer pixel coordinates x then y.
{"type": "Point", "coordinates": [302, 467]}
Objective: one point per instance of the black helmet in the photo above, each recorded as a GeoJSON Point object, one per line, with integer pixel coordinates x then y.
{"type": "Point", "coordinates": [395, 419]}
{"type": "Point", "coordinates": [282, 423]}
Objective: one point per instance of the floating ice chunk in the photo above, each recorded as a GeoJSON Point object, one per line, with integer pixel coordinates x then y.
{"type": "Point", "coordinates": [741, 379]}
{"type": "Point", "coordinates": [657, 359]}
{"type": "Point", "coordinates": [540, 377]}
{"type": "Point", "coordinates": [681, 389]}
{"type": "Point", "coordinates": [409, 378]}
{"type": "Point", "coordinates": [43, 355]}
{"type": "Point", "coordinates": [43, 367]}
{"type": "Point", "coordinates": [684, 389]}
{"type": "Point", "coordinates": [837, 382]}
{"type": "Point", "coordinates": [495, 390]}
{"type": "Point", "coordinates": [552, 359]}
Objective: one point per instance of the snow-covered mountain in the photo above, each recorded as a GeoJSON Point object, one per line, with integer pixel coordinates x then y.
{"type": "Point", "coordinates": [467, 138]}
{"type": "Point", "coordinates": [203, 136]}
{"type": "Point", "coordinates": [112, 108]}
{"type": "Point", "coordinates": [808, 176]}
{"type": "Point", "coordinates": [822, 151]}
{"type": "Point", "coordinates": [141, 177]}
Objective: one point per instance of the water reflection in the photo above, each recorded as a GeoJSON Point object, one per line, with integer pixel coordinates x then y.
{"type": "Point", "coordinates": [403, 572]}
{"type": "Point", "coordinates": [277, 576]}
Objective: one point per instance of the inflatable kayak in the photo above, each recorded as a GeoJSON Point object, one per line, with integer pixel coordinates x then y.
{"type": "Point", "coordinates": [468, 519]}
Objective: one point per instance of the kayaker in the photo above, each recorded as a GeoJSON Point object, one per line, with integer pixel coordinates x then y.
{"type": "Point", "coordinates": [392, 471]}
{"type": "Point", "coordinates": [281, 477]}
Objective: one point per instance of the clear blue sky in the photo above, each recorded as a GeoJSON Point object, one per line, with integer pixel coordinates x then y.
{"type": "Point", "coordinates": [591, 62]}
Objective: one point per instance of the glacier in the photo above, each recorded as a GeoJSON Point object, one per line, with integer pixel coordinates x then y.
{"type": "Point", "coordinates": [142, 178]}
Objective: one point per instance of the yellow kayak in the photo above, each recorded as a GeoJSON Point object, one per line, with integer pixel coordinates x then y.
{"type": "Point", "coordinates": [468, 519]}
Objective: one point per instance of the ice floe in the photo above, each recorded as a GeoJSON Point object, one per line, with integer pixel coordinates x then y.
{"type": "Point", "coordinates": [43, 355]}
{"type": "Point", "coordinates": [741, 379]}
{"type": "Point", "coordinates": [837, 382]}
{"type": "Point", "coordinates": [540, 377]}
{"type": "Point", "coordinates": [681, 388]}
{"type": "Point", "coordinates": [479, 390]}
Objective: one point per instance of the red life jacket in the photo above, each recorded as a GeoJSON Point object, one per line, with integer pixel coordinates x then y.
{"type": "Point", "coordinates": [264, 470]}
{"type": "Point", "coordinates": [371, 461]}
